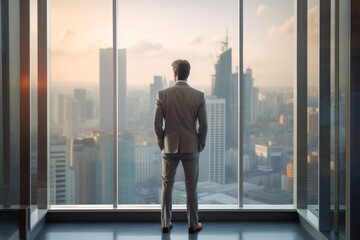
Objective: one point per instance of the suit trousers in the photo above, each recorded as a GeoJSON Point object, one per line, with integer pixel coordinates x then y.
{"type": "Point", "coordinates": [190, 162]}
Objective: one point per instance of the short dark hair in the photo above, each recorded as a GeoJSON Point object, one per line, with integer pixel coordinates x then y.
{"type": "Point", "coordinates": [182, 68]}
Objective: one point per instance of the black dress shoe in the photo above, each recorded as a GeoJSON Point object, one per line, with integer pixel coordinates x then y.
{"type": "Point", "coordinates": [195, 229]}
{"type": "Point", "coordinates": [166, 229]}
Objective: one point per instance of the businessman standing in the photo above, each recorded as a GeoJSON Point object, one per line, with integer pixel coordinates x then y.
{"type": "Point", "coordinates": [179, 108]}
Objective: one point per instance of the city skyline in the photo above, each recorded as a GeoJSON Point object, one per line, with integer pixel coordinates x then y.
{"type": "Point", "coordinates": [268, 39]}
{"type": "Point", "coordinates": [268, 119]}
{"type": "Point", "coordinates": [141, 150]}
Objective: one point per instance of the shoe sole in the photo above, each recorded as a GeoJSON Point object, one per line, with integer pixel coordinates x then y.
{"type": "Point", "coordinates": [193, 230]}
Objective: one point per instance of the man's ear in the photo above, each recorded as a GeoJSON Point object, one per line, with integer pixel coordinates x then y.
{"type": "Point", "coordinates": [175, 74]}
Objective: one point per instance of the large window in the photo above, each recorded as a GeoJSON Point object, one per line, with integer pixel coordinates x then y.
{"type": "Point", "coordinates": [81, 168]}
{"type": "Point", "coordinates": [206, 33]}
{"type": "Point", "coordinates": [81, 159]}
{"type": "Point", "coordinates": [268, 97]}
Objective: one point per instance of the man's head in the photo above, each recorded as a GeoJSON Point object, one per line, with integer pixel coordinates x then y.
{"type": "Point", "coordinates": [181, 69]}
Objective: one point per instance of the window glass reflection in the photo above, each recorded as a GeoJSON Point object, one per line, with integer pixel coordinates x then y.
{"type": "Point", "coordinates": [268, 102]}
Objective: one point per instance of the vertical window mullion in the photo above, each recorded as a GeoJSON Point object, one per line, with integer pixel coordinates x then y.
{"type": "Point", "coordinates": [324, 116]}
{"type": "Point", "coordinates": [300, 106]}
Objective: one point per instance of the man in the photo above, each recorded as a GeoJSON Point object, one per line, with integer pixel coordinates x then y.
{"type": "Point", "coordinates": [180, 107]}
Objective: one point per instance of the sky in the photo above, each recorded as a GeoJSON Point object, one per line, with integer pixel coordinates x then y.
{"type": "Point", "coordinates": [157, 32]}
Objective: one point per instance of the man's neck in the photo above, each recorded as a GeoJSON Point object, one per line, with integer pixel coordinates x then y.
{"type": "Point", "coordinates": [181, 81]}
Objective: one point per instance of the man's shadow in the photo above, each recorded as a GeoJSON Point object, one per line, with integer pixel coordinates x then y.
{"type": "Point", "coordinates": [192, 236]}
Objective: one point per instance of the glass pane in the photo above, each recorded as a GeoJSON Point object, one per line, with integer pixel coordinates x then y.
{"type": "Point", "coordinates": [344, 74]}
{"type": "Point", "coordinates": [268, 102]}
{"type": "Point", "coordinates": [210, 44]}
{"type": "Point", "coordinates": [14, 77]}
{"type": "Point", "coordinates": [33, 109]}
{"type": "Point", "coordinates": [81, 156]}
{"type": "Point", "coordinates": [313, 105]}
{"type": "Point", "coordinates": [9, 70]}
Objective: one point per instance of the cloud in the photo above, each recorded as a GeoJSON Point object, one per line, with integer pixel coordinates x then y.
{"type": "Point", "coordinates": [144, 46]}
{"type": "Point", "coordinates": [261, 9]}
{"type": "Point", "coordinates": [287, 28]}
{"type": "Point", "coordinates": [196, 39]}
{"type": "Point", "coordinates": [77, 50]}
{"type": "Point", "coordinates": [66, 36]}
{"type": "Point", "coordinates": [313, 23]}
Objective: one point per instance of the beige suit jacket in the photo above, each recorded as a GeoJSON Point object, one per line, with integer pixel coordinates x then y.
{"type": "Point", "coordinates": [179, 108]}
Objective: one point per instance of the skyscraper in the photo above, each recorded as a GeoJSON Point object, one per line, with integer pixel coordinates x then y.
{"type": "Point", "coordinates": [126, 168]}
{"type": "Point", "coordinates": [312, 121]}
{"type": "Point", "coordinates": [248, 99]}
{"type": "Point", "coordinates": [60, 109]}
{"type": "Point", "coordinates": [105, 152]}
{"type": "Point", "coordinates": [106, 90]}
{"type": "Point", "coordinates": [147, 164]}
{"type": "Point", "coordinates": [154, 88]}
{"type": "Point", "coordinates": [61, 187]}
{"type": "Point", "coordinates": [234, 109]}
{"type": "Point", "coordinates": [269, 157]}
{"type": "Point", "coordinates": [255, 104]}
{"type": "Point", "coordinates": [312, 177]}
{"type": "Point", "coordinates": [215, 140]}
{"type": "Point", "coordinates": [71, 118]}
{"type": "Point", "coordinates": [80, 95]}
{"type": "Point", "coordinates": [84, 159]}
{"type": "Point", "coordinates": [223, 85]}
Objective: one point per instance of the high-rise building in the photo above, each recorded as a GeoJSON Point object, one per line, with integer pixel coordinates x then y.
{"type": "Point", "coordinates": [80, 96]}
{"type": "Point", "coordinates": [105, 152]}
{"type": "Point", "coordinates": [126, 168]}
{"type": "Point", "coordinates": [231, 163]}
{"type": "Point", "coordinates": [255, 104]}
{"type": "Point", "coordinates": [260, 109]}
{"type": "Point", "coordinates": [248, 82]}
{"type": "Point", "coordinates": [147, 164]}
{"type": "Point", "coordinates": [286, 120]}
{"type": "Point", "coordinates": [215, 140]}
{"type": "Point", "coordinates": [312, 177]}
{"type": "Point", "coordinates": [60, 108]}
{"type": "Point", "coordinates": [106, 90]}
{"type": "Point", "coordinates": [290, 176]}
{"type": "Point", "coordinates": [89, 109]}
{"type": "Point", "coordinates": [312, 121]}
{"type": "Point", "coordinates": [234, 109]}
{"type": "Point", "coordinates": [154, 88]}
{"type": "Point", "coordinates": [269, 157]}
{"type": "Point", "coordinates": [84, 160]}
{"type": "Point", "coordinates": [223, 85]}
{"type": "Point", "coordinates": [61, 187]}
{"type": "Point", "coordinates": [204, 166]}
{"type": "Point", "coordinates": [71, 118]}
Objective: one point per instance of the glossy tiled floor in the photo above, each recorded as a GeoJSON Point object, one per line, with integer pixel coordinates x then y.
{"type": "Point", "coordinates": [151, 230]}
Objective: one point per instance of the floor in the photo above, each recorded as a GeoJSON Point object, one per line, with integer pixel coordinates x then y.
{"type": "Point", "coordinates": [151, 230]}
{"type": "Point", "coordinates": [9, 226]}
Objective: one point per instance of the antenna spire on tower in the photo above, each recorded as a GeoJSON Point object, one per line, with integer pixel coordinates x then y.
{"type": "Point", "coordinates": [225, 46]}
{"type": "Point", "coordinates": [227, 42]}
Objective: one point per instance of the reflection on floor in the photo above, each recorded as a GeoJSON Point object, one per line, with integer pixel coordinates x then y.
{"type": "Point", "coordinates": [9, 228]}
{"type": "Point", "coordinates": [151, 230]}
